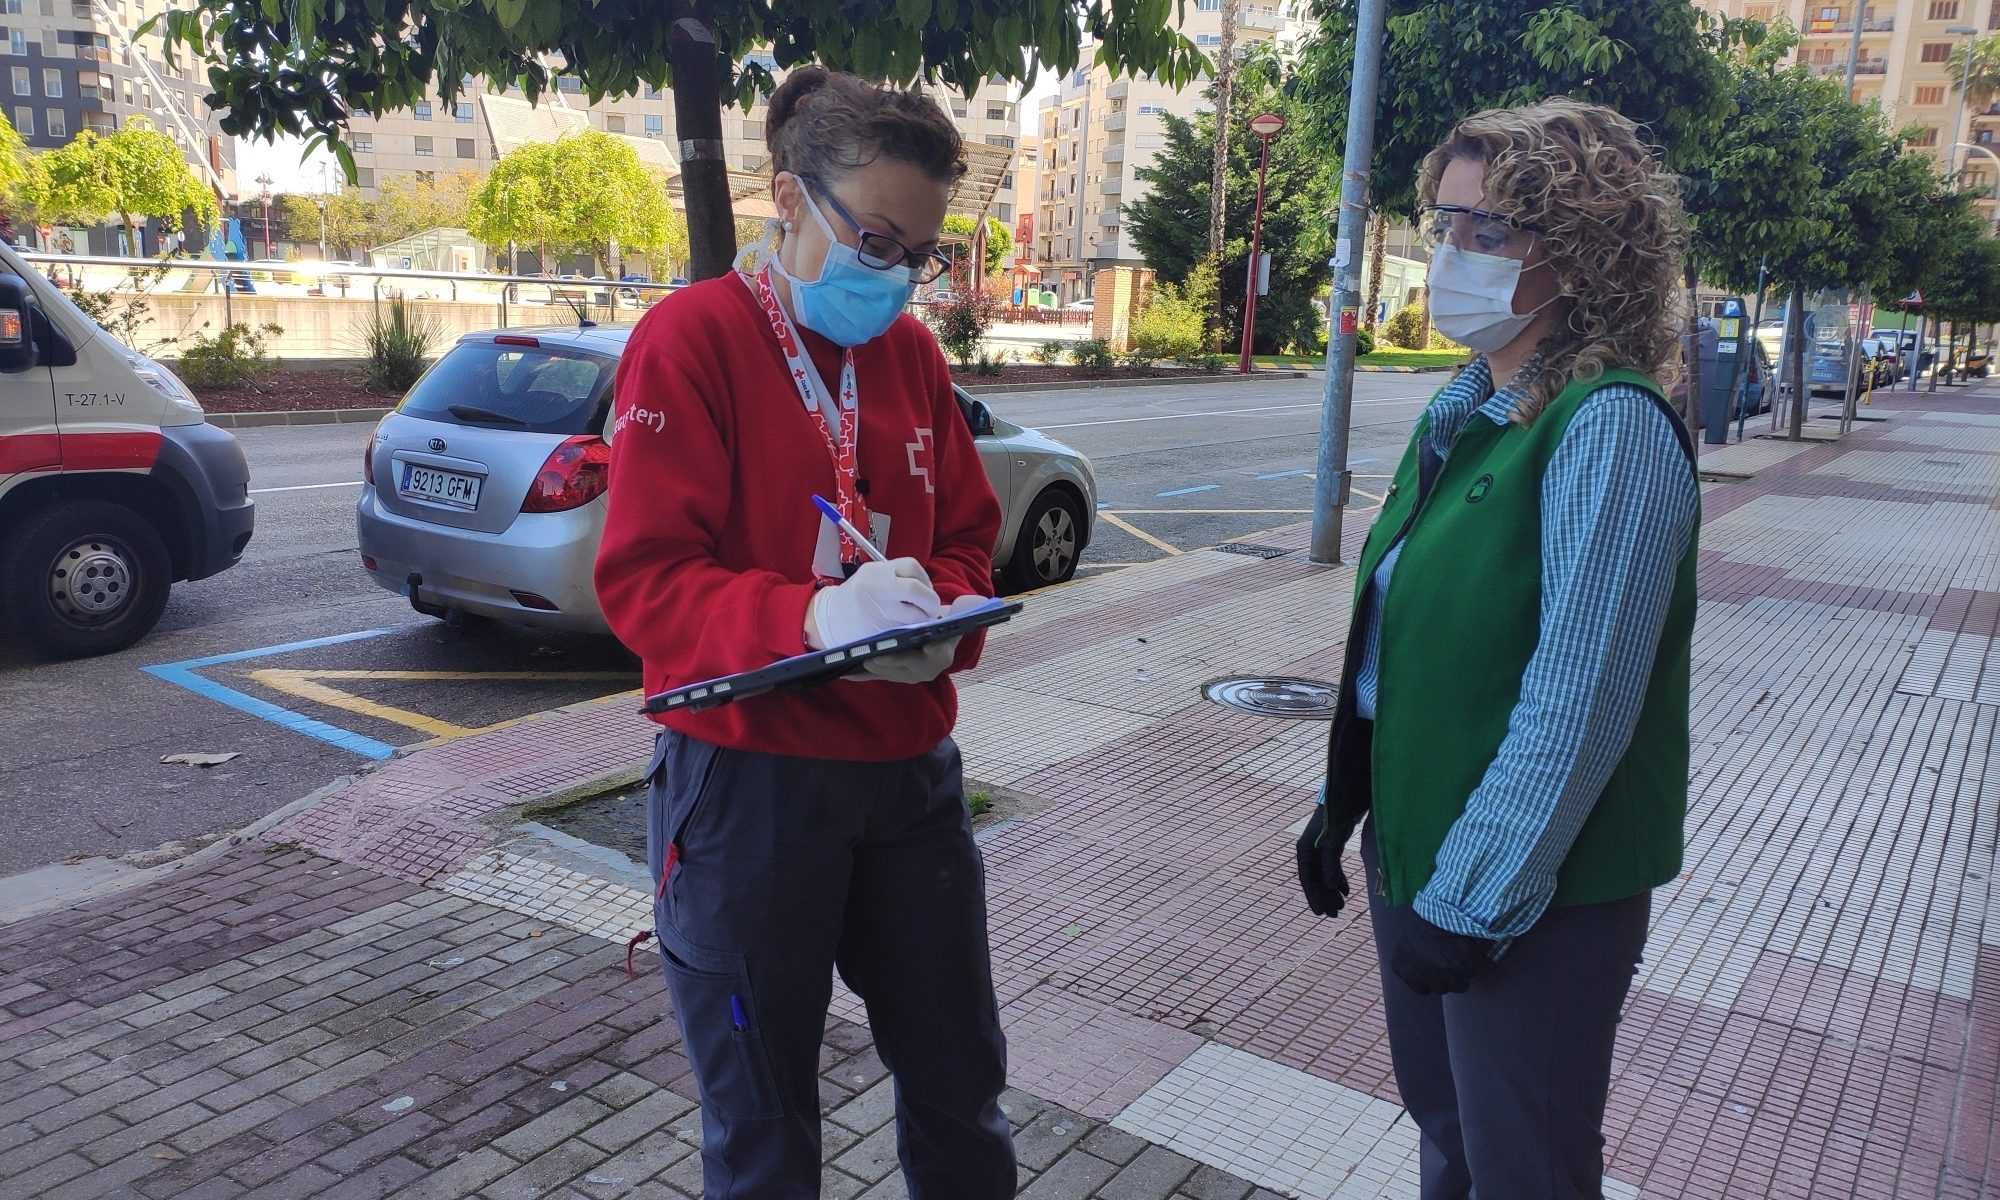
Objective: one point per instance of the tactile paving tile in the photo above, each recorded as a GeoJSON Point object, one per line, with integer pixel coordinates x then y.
{"type": "Point", "coordinates": [547, 892]}
{"type": "Point", "coordinates": [1284, 1129]}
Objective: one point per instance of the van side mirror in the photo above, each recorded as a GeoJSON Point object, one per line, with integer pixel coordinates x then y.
{"type": "Point", "coordinates": [19, 348]}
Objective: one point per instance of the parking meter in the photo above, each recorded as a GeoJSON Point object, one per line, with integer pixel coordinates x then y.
{"type": "Point", "coordinates": [1725, 357]}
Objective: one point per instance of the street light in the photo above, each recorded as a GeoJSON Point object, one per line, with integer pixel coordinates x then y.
{"type": "Point", "coordinates": [1266, 127]}
{"type": "Point", "coordinates": [1958, 122]}
{"type": "Point", "coordinates": [265, 182]}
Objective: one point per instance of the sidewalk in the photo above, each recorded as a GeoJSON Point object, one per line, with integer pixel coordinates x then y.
{"type": "Point", "coordinates": [404, 991]}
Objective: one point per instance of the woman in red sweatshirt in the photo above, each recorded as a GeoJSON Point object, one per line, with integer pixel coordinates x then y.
{"type": "Point", "coordinates": [800, 832]}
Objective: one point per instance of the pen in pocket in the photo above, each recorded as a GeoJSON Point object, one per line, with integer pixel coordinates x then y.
{"type": "Point", "coordinates": [736, 1016]}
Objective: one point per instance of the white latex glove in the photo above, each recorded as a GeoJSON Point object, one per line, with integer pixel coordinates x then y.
{"type": "Point", "coordinates": [925, 663]}
{"type": "Point", "coordinates": [881, 595]}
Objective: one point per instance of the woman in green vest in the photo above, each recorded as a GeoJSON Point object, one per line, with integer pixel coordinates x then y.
{"type": "Point", "coordinates": [1513, 734]}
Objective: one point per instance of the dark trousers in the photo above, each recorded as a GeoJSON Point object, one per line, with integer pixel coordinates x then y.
{"type": "Point", "coordinates": [1506, 1082]}
{"type": "Point", "coordinates": [783, 870]}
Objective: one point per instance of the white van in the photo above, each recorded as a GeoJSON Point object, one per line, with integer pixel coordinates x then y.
{"type": "Point", "coordinates": [112, 484]}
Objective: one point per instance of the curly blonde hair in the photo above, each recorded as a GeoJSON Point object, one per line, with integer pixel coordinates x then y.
{"type": "Point", "coordinates": [1611, 229]}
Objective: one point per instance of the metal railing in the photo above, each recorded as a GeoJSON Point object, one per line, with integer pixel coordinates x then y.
{"type": "Point", "coordinates": [585, 292]}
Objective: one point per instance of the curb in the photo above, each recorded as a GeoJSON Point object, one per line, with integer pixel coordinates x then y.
{"type": "Point", "coordinates": [310, 416]}
{"type": "Point", "coordinates": [1406, 370]}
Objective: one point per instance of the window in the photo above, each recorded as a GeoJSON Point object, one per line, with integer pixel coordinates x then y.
{"type": "Point", "coordinates": [13, 7]}
{"type": "Point", "coordinates": [1936, 52]}
{"type": "Point", "coordinates": [753, 131]}
{"type": "Point", "coordinates": [570, 83]}
{"type": "Point", "coordinates": [1001, 140]}
{"type": "Point", "coordinates": [423, 111]}
{"type": "Point", "coordinates": [613, 123]}
{"type": "Point", "coordinates": [1208, 5]}
{"type": "Point", "coordinates": [52, 83]}
{"type": "Point", "coordinates": [465, 149]}
{"type": "Point", "coordinates": [1944, 10]}
{"type": "Point", "coordinates": [1759, 12]}
{"type": "Point", "coordinates": [1208, 39]}
{"type": "Point", "coordinates": [1007, 180]}
{"type": "Point", "coordinates": [24, 122]}
{"type": "Point", "coordinates": [17, 42]}
{"type": "Point", "coordinates": [424, 148]}
{"type": "Point", "coordinates": [996, 112]}
{"type": "Point", "coordinates": [656, 125]}
{"type": "Point", "coordinates": [364, 143]}
{"type": "Point", "coordinates": [1006, 213]}
{"type": "Point", "coordinates": [24, 82]}
{"type": "Point", "coordinates": [58, 124]}
{"type": "Point", "coordinates": [958, 108]}
{"type": "Point", "coordinates": [364, 177]}
{"type": "Point", "coordinates": [1111, 231]}
{"type": "Point", "coordinates": [86, 86]}
{"type": "Point", "coordinates": [652, 93]}
{"type": "Point", "coordinates": [1930, 93]}
{"type": "Point", "coordinates": [1926, 137]}
{"type": "Point", "coordinates": [1151, 110]}
{"type": "Point", "coordinates": [462, 112]}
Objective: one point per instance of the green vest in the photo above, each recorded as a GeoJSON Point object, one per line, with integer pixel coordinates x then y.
{"type": "Point", "coordinates": [1458, 625]}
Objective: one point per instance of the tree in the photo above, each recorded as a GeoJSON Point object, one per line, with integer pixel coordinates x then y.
{"type": "Point", "coordinates": [350, 224]}
{"type": "Point", "coordinates": [1975, 70]}
{"type": "Point", "coordinates": [582, 192]}
{"type": "Point", "coordinates": [135, 173]}
{"type": "Point", "coordinates": [413, 203]}
{"type": "Point", "coordinates": [1170, 225]}
{"type": "Point", "coordinates": [1444, 60]}
{"type": "Point", "coordinates": [15, 168]}
{"type": "Point", "coordinates": [999, 239]}
{"type": "Point", "coordinates": [295, 216]}
{"type": "Point", "coordinates": [297, 67]}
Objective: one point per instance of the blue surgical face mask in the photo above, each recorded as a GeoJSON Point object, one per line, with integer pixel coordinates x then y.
{"type": "Point", "coordinates": [851, 302]}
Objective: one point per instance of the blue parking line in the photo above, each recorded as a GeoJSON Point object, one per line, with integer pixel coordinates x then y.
{"type": "Point", "coordinates": [1188, 491]}
{"type": "Point", "coordinates": [1284, 474]}
{"type": "Point", "coordinates": [183, 674]}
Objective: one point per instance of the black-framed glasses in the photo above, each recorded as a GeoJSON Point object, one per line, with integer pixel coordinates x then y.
{"type": "Point", "coordinates": [879, 250]}
{"type": "Point", "coordinates": [1476, 230]}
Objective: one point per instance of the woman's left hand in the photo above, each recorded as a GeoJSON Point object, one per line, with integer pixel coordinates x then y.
{"type": "Point", "coordinates": [1435, 961]}
{"type": "Point", "coordinates": [924, 663]}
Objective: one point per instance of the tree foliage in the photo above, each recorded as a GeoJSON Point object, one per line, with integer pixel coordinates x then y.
{"type": "Point", "coordinates": [15, 166]}
{"type": "Point", "coordinates": [1170, 224]}
{"type": "Point", "coordinates": [581, 192]}
{"type": "Point", "coordinates": [1975, 69]}
{"type": "Point", "coordinates": [298, 67]}
{"type": "Point", "coordinates": [1444, 60]}
{"type": "Point", "coordinates": [999, 239]}
{"type": "Point", "coordinates": [412, 203]}
{"type": "Point", "coordinates": [134, 173]}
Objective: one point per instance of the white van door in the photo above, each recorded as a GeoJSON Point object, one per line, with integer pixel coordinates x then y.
{"type": "Point", "coordinates": [30, 442]}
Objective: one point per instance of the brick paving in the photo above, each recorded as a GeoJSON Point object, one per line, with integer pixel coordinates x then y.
{"type": "Point", "coordinates": [393, 996]}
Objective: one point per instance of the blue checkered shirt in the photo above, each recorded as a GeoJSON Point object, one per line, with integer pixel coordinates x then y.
{"type": "Point", "coordinates": [1619, 504]}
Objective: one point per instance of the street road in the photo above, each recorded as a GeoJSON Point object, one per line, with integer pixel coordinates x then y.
{"type": "Point", "coordinates": [321, 671]}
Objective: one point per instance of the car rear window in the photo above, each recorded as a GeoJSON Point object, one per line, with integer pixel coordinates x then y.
{"type": "Point", "coordinates": [538, 389]}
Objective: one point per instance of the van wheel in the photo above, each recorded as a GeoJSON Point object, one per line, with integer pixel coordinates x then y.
{"type": "Point", "coordinates": [84, 578]}
{"type": "Point", "coordinates": [1048, 543]}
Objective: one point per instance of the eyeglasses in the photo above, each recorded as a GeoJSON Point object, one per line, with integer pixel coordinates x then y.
{"type": "Point", "coordinates": [879, 250]}
{"type": "Point", "coordinates": [1477, 231]}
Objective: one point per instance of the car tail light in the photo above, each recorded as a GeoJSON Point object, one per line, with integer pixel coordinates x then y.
{"type": "Point", "coordinates": [515, 339]}
{"type": "Point", "coordinates": [368, 463]}
{"type": "Point", "coordinates": [368, 561]}
{"type": "Point", "coordinates": [535, 600]}
{"type": "Point", "coordinates": [575, 474]}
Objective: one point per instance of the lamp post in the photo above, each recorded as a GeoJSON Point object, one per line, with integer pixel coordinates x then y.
{"type": "Point", "coordinates": [1266, 127]}
{"type": "Point", "coordinates": [1958, 122]}
{"type": "Point", "coordinates": [264, 181]}
{"type": "Point", "coordinates": [1976, 148]}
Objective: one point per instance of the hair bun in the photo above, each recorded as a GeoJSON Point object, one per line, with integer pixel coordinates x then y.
{"type": "Point", "coordinates": [800, 83]}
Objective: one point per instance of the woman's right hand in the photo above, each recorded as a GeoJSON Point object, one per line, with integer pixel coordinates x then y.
{"type": "Point", "coordinates": [879, 596]}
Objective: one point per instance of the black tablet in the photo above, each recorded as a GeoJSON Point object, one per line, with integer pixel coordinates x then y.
{"type": "Point", "coordinates": [819, 666]}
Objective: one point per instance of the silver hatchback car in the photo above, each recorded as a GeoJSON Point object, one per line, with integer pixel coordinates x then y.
{"type": "Point", "coordinates": [484, 491]}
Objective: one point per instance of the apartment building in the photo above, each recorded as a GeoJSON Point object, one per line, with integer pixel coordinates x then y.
{"type": "Point", "coordinates": [1906, 47]}
{"type": "Point", "coordinates": [1097, 132]}
{"type": "Point", "coordinates": [75, 64]}
{"type": "Point", "coordinates": [486, 121]}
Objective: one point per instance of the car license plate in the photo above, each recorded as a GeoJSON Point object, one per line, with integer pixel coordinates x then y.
{"type": "Point", "coordinates": [440, 487]}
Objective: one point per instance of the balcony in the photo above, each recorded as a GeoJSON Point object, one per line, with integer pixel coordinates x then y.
{"type": "Point", "coordinates": [1112, 185]}
{"type": "Point", "coordinates": [1120, 89]}
{"type": "Point", "coordinates": [1115, 122]}
{"type": "Point", "coordinates": [1846, 28]}
{"type": "Point", "coordinates": [1109, 218]}
{"type": "Point", "coordinates": [1114, 153]}
{"type": "Point", "coordinates": [1867, 66]}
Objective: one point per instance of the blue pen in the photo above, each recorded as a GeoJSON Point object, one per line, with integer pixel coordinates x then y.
{"type": "Point", "coordinates": [736, 1013]}
{"type": "Point", "coordinates": [847, 527]}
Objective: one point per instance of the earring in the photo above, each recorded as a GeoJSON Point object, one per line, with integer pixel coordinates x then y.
{"type": "Point", "coordinates": [788, 227]}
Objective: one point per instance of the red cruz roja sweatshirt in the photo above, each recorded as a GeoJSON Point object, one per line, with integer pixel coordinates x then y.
{"type": "Point", "coordinates": [706, 567]}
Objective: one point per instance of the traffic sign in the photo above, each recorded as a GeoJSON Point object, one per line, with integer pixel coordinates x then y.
{"type": "Point", "coordinates": [1914, 300]}
{"type": "Point", "coordinates": [1269, 125]}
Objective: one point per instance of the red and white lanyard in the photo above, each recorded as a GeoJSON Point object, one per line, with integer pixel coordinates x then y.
{"type": "Point", "coordinates": [844, 449]}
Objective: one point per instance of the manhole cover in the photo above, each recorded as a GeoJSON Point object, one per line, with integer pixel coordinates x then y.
{"type": "Point", "coordinates": [1290, 699]}
{"type": "Point", "coordinates": [1252, 549]}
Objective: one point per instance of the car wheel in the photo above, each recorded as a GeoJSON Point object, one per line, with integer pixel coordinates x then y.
{"type": "Point", "coordinates": [85, 578]}
{"type": "Point", "coordinates": [1048, 543]}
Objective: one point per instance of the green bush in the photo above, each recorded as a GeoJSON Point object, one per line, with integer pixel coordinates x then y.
{"type": "Point", "coordinates": [1050, 353]}
{"type": "Point", "coordinates": [398, 346]}
{"type": "Point", "coordinates": [232, 357]}
{"type": "Point", "coordinates": [1171, 327]}
{"type": "Point", "coordinates": [960, 324]}
{"type": "Point", "coordinates": [1441, 342]}
{"type": "Point", "coordinates": [1406, 328]}
{"type": "Point", "coordinates": [1364, 342]}
{"type": "Point", "coordinates": [989, 364]}
{"type": "Point", "coordinates": [1093, 354]}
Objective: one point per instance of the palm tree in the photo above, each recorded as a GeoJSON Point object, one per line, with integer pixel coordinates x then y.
{"type": "Point", "coordinates": [1976, 71]}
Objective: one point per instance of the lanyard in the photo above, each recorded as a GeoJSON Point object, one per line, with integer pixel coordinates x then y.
{"type": "Point", "coordinates": [842, 448]}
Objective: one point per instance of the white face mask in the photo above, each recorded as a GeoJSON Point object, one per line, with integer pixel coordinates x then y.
{"type": "Point", "coordinates": [1472, 298]}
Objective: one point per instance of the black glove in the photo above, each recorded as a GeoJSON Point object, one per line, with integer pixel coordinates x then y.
{"type": "Point", "coordinates": [1320, 873]}
{"type": "Point", "coordinates": [1435, 961]}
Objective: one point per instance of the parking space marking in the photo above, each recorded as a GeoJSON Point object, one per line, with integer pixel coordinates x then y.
{"type": "Point", "coordinates": [1189, 491]}
{"type": "Point", "coordinates": [182, 674]}
{"type": "Point", "coordinates": [1139, 533]}
{"type": "Point", "coordinates": [304, 487]}
{"type": "Point", "coordinates": [307, 685]}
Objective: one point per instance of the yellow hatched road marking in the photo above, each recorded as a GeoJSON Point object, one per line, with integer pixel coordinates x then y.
{"type": "Point", "coordinates": [307, 685]}
{"type": "Point", "coordinates": [1139, 533]}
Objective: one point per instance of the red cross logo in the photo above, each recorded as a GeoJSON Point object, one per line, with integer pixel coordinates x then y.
{"type": "Point", "coordinates": [921, 457]}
